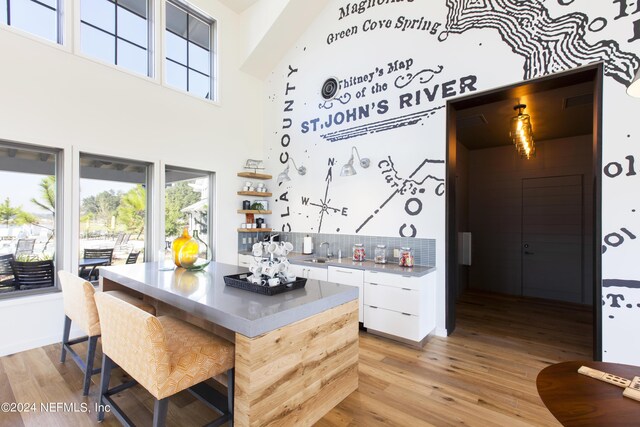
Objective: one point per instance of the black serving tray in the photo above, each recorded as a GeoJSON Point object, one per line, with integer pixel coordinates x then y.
{"type": "Point", "coordinates": [240, 281]}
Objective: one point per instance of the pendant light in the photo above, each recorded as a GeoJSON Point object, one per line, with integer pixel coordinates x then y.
{"type": "Point", "coordinates": [522, 134]}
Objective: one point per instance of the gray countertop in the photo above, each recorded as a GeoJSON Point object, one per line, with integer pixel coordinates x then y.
{"type": "Point", "coordinates": [204, 294]}
{"type": "Point", "coordinates": [347, 262]}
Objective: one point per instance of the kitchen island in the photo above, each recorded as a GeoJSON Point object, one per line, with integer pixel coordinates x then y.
{"type": "Point", "coordinates": [296, 352]}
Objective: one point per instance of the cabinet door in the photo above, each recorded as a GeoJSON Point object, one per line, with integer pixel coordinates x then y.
{"type": "Point", "coordinates": [317, 273]}
{"type": "Point", "coordinates": [351, 277]}
{"type": "Point", "coordinates": [298, 270]}
{"type": "Point", "coordinates": [244, 260]}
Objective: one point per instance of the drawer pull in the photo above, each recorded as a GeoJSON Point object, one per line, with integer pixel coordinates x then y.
{"type": "Point", "coordinates": [373, 306]}
{"type": "Point", "coordinates": [374, 284]}
{"type": "Point", "coordinates": [406, 314]}
{"type": "Point", "coordinates": [406, 289]}
{"type": "Point", "coordinates": [345, 271]}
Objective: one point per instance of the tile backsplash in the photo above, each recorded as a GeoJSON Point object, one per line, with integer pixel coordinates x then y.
{"type": "Point", "coordinates": [424, 250]}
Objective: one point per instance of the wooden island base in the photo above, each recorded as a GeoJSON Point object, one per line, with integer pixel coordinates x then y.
{"type": "Point", "coordinates": [291, 376]}
{"type": "Point", "coordinates": [294, 375]}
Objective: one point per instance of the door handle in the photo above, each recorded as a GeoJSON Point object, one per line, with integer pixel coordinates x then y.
{"type": "Point", "coordinates": [528, 253]}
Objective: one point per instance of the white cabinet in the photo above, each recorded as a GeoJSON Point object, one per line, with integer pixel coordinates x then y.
{"type": "Point", "coordinates": [316, 273]}
{"type": "Point", "coordinates": [402, 306]}
{"type": "Point", "coordinates": [244, 260]}
{"type": "Point", "coordinates": [351, 277]}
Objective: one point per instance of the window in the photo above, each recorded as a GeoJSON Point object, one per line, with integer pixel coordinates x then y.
{"type": "Point", "coordinates": [187, 204]}
{"type": "Point", "coordinates": [188, 41]}
{"type": "Point", "coordinates": [28, 199]}
{"type": "Point", "coordinates": [39, 17]}
{"type": "Point", "coordinates": [113, 213]}
{"type": "Point", "coordinates": [117, 32]}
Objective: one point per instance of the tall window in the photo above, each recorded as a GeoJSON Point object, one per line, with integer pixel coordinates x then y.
{"type": "Point", "coordinates": [188, 41]}
{"type": "Point", "coordinates": [113, 213]}
{"type": "Point", "coordinates": [117, 31]}
{"type": "Point", "coordinates": [187, 203]}
{"type": "Point", "coordinates": [39, 17]}
{"type": "Point", "coordinates": [27, 218]}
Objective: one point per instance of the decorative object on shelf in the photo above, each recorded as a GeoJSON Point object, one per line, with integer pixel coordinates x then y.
{"type": "Point", "coordinates": [406, 258]}
{"type": "Point", "coordinates": [246, 205]}
{"type": "Point", "coordinates": [254, 164]}
{"type": "Point", "coordinates": [522, 133]}
{"type": "Point", "coordinates": [380, 255]}
{"type": "Point", "coordinates": [284, 175]}
{"type": "Point", "coordinates": [358, 252]}
{"type": "Point", "coordinates": [348, 169]}
{"type": "Point", "coordinates": [634, 87]}
{"type": "Point", "coordinates": [260, 205]}
{"type": "Point", "coordinates": [186, 251]}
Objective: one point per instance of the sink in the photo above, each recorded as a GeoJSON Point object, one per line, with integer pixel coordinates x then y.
{"type": "Point", "coordinates": [316, 260]}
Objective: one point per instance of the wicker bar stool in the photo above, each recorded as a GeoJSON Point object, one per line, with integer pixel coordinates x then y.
{"type": "Point", "coordinates": [80, 307]}
{"type": "Point", "coordinates": [162, 354]}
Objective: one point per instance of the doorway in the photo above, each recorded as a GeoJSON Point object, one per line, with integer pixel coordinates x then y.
{"type": "Point", "coordinates": [545, 247]}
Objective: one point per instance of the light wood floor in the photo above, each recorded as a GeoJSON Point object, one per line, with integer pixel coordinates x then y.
{"type": "Point", "coordinates": [482, 375]}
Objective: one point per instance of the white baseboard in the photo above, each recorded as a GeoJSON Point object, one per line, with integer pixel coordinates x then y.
{"type": "Point", "coordinates": [441, 332]}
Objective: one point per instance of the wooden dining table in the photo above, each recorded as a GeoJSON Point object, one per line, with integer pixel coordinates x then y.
{"type": "Point", "coordinates": [578, 400]}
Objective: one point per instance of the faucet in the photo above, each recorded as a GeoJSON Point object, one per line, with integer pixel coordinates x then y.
{"type": "Point", "coordinates": [329, 253]}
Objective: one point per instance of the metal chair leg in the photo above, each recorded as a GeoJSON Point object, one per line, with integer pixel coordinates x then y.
{"type": "Point", "coordinates": [160, 408]}
{"type": "Point", "coordinates": [65, 338]}
{"type": "Point", "coordinates": [88, 372]}
{"type": "Point", "coordinates": [230, 393]}
{"type": "Point", "coordinates": [105, 376]}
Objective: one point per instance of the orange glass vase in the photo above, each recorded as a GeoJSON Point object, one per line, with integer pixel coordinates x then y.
{"type": "Point", "coordinates": [185, 250]}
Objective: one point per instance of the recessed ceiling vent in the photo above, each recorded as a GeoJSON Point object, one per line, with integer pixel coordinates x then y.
{"type": "Point", "coordinates": [330, 88]}
{"type": "Point", "coordinates": [576, 101]}
{"type": "Point", "coordinates": [472, 121]}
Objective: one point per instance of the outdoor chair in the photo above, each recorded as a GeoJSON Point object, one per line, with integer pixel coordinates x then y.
{"type": "Point", "coordinates": [7, 281]}
{"type": "Point", "coordinates": [94, 272]}
{"type": "Point", "coordinates": [133, 258]}
{"type": "Point", "coordinates": [33, 275]}
{"type": "Point", "coordinates": [24, 247]}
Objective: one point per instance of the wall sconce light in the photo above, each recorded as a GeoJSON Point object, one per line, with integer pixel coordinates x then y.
{"type": "Point", "coordinates": [634, 87]}
{"type": "Point", "coordinates": [348, 169]}
{"type": "Point", "coordinates": [284, 175]}
{"type": "Point", "coordinates": [522, 134]}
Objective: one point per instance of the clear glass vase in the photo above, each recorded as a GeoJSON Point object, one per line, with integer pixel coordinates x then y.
{"type": "Point", "coordinates": [191, 253]}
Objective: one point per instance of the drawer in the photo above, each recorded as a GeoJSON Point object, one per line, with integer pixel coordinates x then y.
{"type": "Point", "coordinates": [396, 280]}
{"type": "Point", "coordinates": [345, 276]}
{"type": "Point", "coordinates": [393, 323]}
{"type": "Point", "coordinates": [402, 300]}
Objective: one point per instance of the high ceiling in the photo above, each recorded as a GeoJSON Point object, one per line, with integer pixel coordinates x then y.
{"type": "Point", "coordinates": [238, 6]}
{"type": "Point", "coordinates": [556, 113]}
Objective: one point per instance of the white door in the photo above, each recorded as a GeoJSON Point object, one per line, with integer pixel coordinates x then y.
{"type": "Point", "coordinates": [552, 238]}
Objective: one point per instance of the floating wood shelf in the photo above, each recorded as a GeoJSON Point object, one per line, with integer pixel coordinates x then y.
{"type": "Point", "coordinates": [254, 230]}
{"type": "Point", "coordinates": [254, 193]}
{"type": "Point", "coordinates": [255, 212]}
{"type": "Point", "coordinates": [254, 175]}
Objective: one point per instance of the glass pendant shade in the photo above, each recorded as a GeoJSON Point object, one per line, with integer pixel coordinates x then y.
{"type": "Point", "coordinates": [522, 133]}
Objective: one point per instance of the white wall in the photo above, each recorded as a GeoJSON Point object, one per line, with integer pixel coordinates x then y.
{"type": "Point", "coordinates": [54, 97]}
{"type": "Point", "coordinates": [497, 42]}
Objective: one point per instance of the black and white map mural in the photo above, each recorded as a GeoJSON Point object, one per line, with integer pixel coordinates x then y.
{"type": "Point", "coordinates": [397, 63]}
